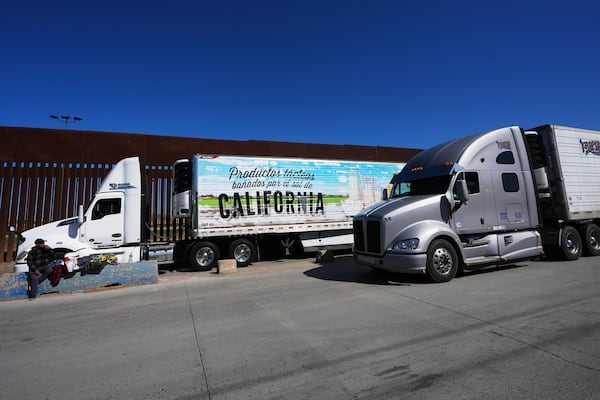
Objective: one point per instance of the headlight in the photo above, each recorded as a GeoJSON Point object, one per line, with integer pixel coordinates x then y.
{"type": "Point", "coordinates": [71, 264]}
{"type": "Point", "coordinates": [408, 244]}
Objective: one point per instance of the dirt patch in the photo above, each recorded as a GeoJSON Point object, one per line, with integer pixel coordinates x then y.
{"type": "Point", "coordinates": [6, 268]}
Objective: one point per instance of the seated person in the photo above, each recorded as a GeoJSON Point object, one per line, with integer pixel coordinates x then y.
{"type": "Point", "coordinates": [39, 261]}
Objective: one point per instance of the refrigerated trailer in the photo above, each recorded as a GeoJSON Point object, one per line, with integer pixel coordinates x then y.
{"type": "Point", "coordinates": [232, 207]}
{"type": "Point", "coordinates": [491, 198]}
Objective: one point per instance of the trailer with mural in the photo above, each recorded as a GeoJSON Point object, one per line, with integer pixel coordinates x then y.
{"type": "Point", "coordinates": [232, 207]}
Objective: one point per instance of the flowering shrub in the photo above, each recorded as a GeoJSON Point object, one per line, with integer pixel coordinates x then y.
{"type": "Point", "coordinates": [102, 260]}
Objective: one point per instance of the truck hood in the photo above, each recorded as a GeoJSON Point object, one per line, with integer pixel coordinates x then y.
{"type": "Point", "coordinates": [413, 208]}
{"type": "Point", "coordinates": [415, 217]}
{"type": "Point", "coordinates": [58, 235]}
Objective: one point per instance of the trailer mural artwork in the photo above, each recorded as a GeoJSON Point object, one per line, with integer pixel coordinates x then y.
{"type": "Point", "coordinates": [260, 191]}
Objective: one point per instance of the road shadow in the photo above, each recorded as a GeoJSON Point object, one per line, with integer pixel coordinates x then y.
{"type": "Point", "coordinates": [344, 269]}
{"type": "Point", "coordinates": [488, 270]}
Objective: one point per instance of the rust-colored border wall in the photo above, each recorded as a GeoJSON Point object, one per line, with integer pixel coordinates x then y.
{"type": "Point", "coordinates": [46, 173]}
{"type": "Point", "coordinates": [73, 146]}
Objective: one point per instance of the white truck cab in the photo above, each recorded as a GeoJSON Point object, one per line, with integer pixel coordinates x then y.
{"type": "Point", "coordinates": [110, 224]}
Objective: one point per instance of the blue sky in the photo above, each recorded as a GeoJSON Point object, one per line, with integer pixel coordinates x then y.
{"type": "Point", "coordinates": [387, 73]}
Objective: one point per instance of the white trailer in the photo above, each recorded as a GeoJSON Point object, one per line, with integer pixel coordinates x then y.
{"type": "Point", "coordinates": [233, 207]}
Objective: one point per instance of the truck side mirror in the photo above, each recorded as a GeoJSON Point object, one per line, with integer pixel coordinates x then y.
{"type": "Point", "coordinates": [384, 194]}
{"type": "Point", "coordinates": [13, 229]}
{"type": "Point", "coordinates": [80, 217]}
{"type": "Point", "coordinates": [462, 191]}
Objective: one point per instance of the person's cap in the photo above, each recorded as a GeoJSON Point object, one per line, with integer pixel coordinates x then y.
{"type": "Point", "coordinates": [40, 241]}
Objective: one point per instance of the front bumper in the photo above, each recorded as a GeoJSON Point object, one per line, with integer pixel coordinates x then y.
{"type": "Point", "coordinates": [397, 263]}
{"type": "Point", "coordinates": [21, 267]}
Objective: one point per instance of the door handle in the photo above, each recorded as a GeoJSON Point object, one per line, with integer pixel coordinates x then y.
{"type": "Point", "coordinates": [116, 235]}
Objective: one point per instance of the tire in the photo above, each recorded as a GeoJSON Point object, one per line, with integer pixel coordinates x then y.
{"type": "Point", "coordinates": [243, 251]}
{"type": "Point", "coordinates": [203, 256]}
{"type": "Point", "coordinates": [442, 261]}
{"type": "Point", "coordinates": [591, 237]}
{"type": "Point", "coordinates": [570, 243]}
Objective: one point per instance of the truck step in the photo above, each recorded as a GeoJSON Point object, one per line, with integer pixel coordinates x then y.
{"type": "Point", "coordinates": [475, 243]}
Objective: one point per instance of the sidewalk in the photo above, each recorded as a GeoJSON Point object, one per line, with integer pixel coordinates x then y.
{"type": "Point", "coordinates": [172, 274]}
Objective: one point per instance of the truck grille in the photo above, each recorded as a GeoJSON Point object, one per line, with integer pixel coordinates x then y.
{"type": "Point", "coordinates": [372, 243]}
{"type": "Point", "coordinates": [373, 240]}
{"type": "Point", "coordinates": [359, 239]}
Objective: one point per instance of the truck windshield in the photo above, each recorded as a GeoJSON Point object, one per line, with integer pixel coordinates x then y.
{"type": "Point", "coordinates": [434, 185]}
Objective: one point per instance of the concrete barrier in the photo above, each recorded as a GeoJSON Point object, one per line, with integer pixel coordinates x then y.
{"type": "Point", "coordinates": [227, 266]}
{"type": "Point", "coordinates": [14, 285]}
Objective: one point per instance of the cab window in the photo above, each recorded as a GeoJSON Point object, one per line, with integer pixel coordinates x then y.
{"type": "Point", "coordinates": [400, 189]}
{"type": "Point", "coordinates": [472, 179]}
{"type": "Point", "coordinates": [510, 182]}
{"type": "Point", "coordinates": [106, 207]}
{"type": "Point", "coordinates": [505, 157]}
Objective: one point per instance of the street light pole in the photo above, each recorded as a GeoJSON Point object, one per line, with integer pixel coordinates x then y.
{"type": "Point", "coordinates": [66, 118]}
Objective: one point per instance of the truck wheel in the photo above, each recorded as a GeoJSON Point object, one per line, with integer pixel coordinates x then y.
{"type": "Point", "coordinates": [570, 243]}
{"type": "Point", "coordinates": [203, 256]}
{"type": "Point", "coordinates": [442, 261]}
{"type": "Point", "coordinates": [591, 235]}
{"type": "Point", "coordinates": [243, 251]}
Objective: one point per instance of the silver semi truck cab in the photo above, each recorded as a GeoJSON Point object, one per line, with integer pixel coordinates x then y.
{"type": "Point", "coordinates": [464, 203]}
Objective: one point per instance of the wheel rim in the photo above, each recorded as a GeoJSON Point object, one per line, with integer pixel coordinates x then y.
{"type": "Point", "coordinates": [442, 261]}
{"type": "Point", "coordinates": [205, 256]}
{"type": "Point", "coordinates": [242, 253]}
{"type": "Point", "coordinates": [594, 240]}
{"type": "Point", "coordinates": [572, 244]}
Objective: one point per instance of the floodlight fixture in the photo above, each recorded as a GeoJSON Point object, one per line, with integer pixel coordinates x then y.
{"type": "Point", "coordinates": [66, 119]}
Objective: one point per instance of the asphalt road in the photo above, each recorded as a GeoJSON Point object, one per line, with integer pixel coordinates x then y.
{"type": "Point", "coordinates": [298, 330]}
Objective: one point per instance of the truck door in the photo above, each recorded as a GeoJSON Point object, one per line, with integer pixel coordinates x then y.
{"type": "Point", "coordinates": [477, 215]}
{"type": "Point", "coordinates": [105, 221]}
{"type": "Point", "coordinates": [511, 200]}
